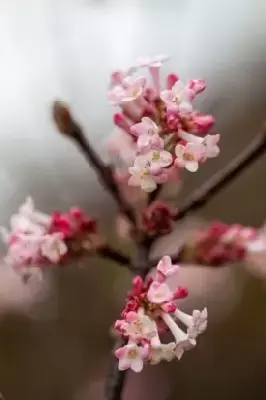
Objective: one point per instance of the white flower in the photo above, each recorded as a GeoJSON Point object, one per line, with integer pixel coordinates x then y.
{"type": "Point", "coordinates": [180, 336]}
{"type": "Point", "coordinates": [140, 325]}
{"type": "Point", "coordinates": [178, 98]}
{"type": "Point", "coordinates": [129, 90]}
{"type": "Point", "coordinates": [131, 356]}
{"type": "Point", "coordinates": [163, 352]}
{"type": "Point", "coordinates": [188, 156]}
{"type": "Point", "coordinates": [196, 323]}
{"type": "Point", "coordinates": [53, 248]}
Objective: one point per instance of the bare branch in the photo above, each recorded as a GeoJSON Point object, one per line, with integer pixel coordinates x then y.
{"type": "Point", "coordinates": [69, 127]}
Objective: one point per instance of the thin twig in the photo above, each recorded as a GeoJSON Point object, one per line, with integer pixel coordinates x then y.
{"type": "Point", "coordinates": [69, 127]}
{"type": "Point", "coordinates": [116, 379]}
{"type": "Point", "coordinates": [116, 256]}
{"type": "Point", "coordinates": [202, 195]}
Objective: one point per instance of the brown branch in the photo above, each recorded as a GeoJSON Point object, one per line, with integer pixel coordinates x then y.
{"type": "Point", "coordinates": [69, 127]}
{"type": "Point", "coordinates": [202, 195]}
{"type": "Point", "coordinates": [116, 379]}
{"type": "Point", "coordinates": [115, 256]}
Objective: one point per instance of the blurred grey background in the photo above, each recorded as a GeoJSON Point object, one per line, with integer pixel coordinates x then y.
{"type": "Point", "coordinates": [58, 349]}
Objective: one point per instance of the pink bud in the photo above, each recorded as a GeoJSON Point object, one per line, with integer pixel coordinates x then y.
{"type": "Point", "coordinates": [180, 293]}
{"type": "Point", "coordinates": [197, 85]}
{"type": "Point", "coordinates": [171, 79]}
{"type": "Point", "coordinates": [120, 121]}
{"type": "Point", "coordinates": [203, 123]}
{"type": "Point", "coordinates": [137, 283]}
{"type": "Point", "coordinates": [168, 307]}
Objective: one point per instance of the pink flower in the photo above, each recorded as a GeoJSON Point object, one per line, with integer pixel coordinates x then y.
{"type": "Point", "coordinates": [162, 352]}
{"type": "Point", "coordinates": [196, 85]}
{"type": "Point", "coordinates": [141, 176]}
{"type": "Point", "coordinates": [178, 99]}
{"type": "Point", "coordinates": [118, 76]}
{"type": "Point", "coordinates": [202, 123]}
{"type": "Point", "coordinates": [131, 356]}
{"type": "Point", "coordinates": [188, 156]}
{"type": "Point", "coordinates": [209, 143]}
{"type": "Point", "coordinates": [156, 159]}
{"type": "Point", "coordinates": [152, 62]}
{"type": "Point", "coordinates": [129, 90]}
{"type": "Point", "coordinates": [165, 268]}
{"type": "Point", "coordinates": [159, 293]}
{"type": "Point", "coordinates": [53, 247]}
{"type": "Point", "coordinates": [148, 134]}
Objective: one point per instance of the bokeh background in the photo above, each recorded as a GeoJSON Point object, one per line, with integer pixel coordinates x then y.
{"type": "Point", "coordinates": [56, 347]}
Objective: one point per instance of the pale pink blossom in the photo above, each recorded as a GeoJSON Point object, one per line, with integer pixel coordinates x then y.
{"type": "Point", "coordinates": [131, 356]}
{"type": "Point", "coordinates": [256, 244]}
{"type": "Point", "coordinates": [118, 76]}
{"type": "Point", "coordinates": [53, 247]}
{"type": "Point", "coordinates": [165, 268]}
{"type": "Point", "coordinates": [159, 293]}
{"type": "Point", "coordinates": [178, 99]}
{"type": "Point", "coordinates": [209, 143]}
{"type": "Point", "coordinates": [156, 159]}
{"type": "Point", "coordinates": [196, 323]}
{"type": "Point", "coordinates": [148, 134]}
{"type": "Point", "coordinates": [152, 62]}
{"type": "Point", "coordinates": [142, 177]}
{"type": "Point", "coordinates": [129, 90]}
{"type": "Point", "coordinates": [196, 85]}
{"type": "Point", "coordinates": [188, 156]}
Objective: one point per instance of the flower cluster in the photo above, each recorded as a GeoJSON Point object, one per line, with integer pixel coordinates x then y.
{"type": "Point", "coordinates": [37, 239]}
{"type": "Point", "coordinates": [166, 131]}
{"type": "Point", "coordinates": [151, 310]}
{"type": "Point", "coordinates": [220, 243]}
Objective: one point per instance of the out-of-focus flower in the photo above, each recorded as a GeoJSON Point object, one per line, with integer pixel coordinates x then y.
{"type": "Point", "coordinates": [157, 218]}
{"type": "Point", "coordinates": [147, 313]}
{"type": "Point", "coordinates": [37, 239]}
{"type": "Point", "coordinates": [129, 90]}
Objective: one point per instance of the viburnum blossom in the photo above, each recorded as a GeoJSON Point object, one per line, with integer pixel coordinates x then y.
{"type": "Point", "coordinates": [37, 239]}
{"type": "Point", "coordinates": [162, 120]}
{"type": "Point", "coordinates": [219, 243]}
{"type": "Point", "coordinates": [151, 310]}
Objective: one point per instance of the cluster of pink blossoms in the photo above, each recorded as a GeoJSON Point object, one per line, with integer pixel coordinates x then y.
{"type": "Point", "coordinates": [151, 310]}
{"type": "Point", "coordinates": [220, 243]}
{"type": "Point", "coordinates": [37, 239]}
{"type": "Point", "coordinates": [166, 131]}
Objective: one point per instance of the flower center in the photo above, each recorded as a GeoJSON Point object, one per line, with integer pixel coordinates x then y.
{"type": "Point", "coordinates": [188, 157]}
{"type": "Point", "coordinates": [176, 100]}
{"type": "Point", "coordinates": [156, 156]}
{"type": "Point", "coordinates": [132, 353]}
{"type": "Point", "coordinates": [134, 92]}
{"type": "Point", "coordinates": [151, 132]}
